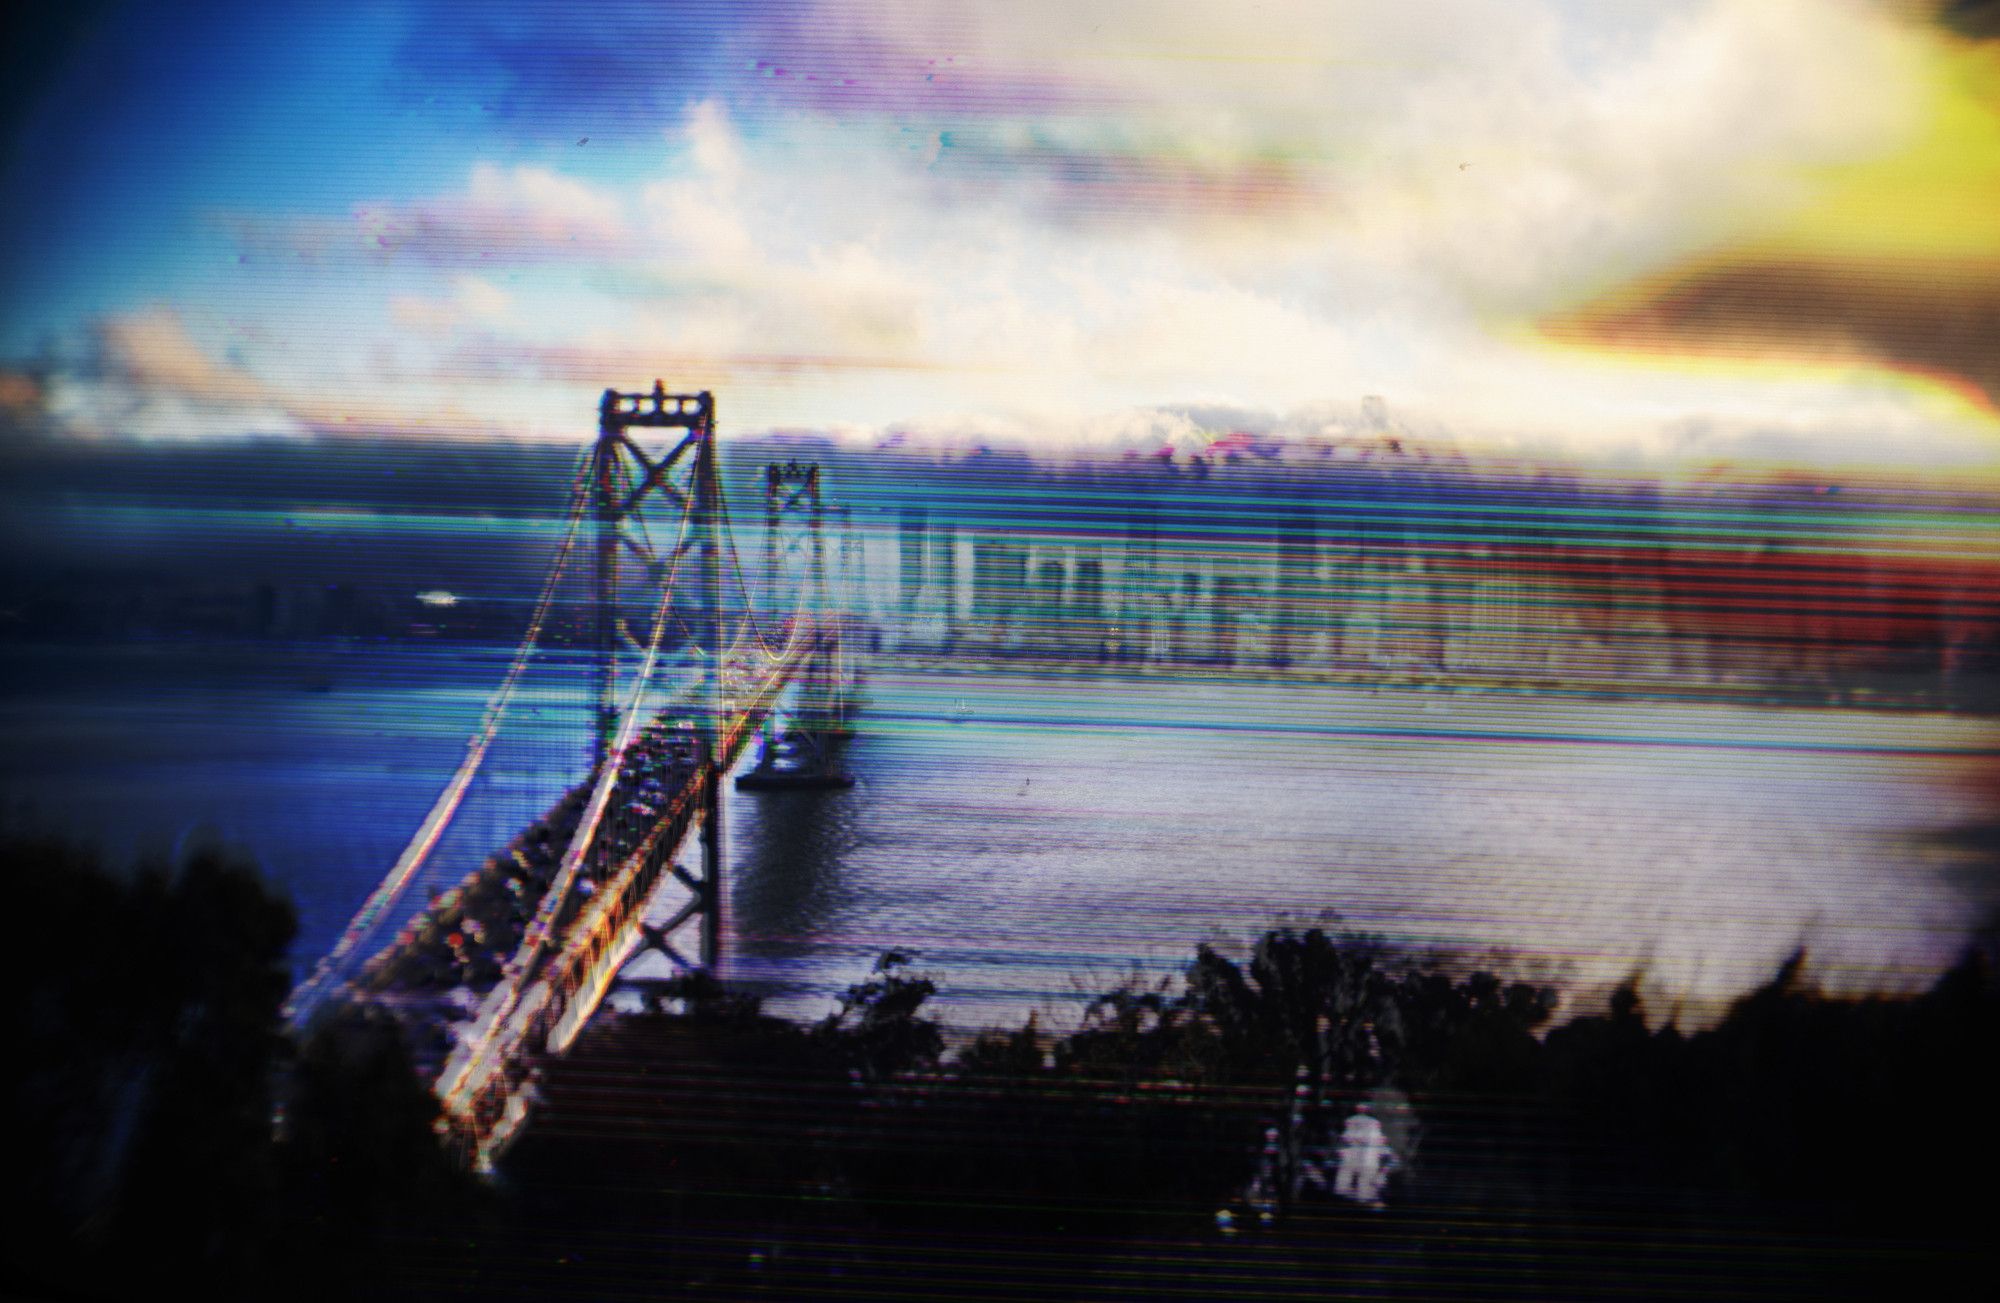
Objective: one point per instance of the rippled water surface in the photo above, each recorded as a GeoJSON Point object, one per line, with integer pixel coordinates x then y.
{"type": "Point", "coordinates": [1034, 835]}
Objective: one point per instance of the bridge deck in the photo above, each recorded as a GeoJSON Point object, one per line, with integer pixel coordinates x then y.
{"type": "Point", "coordinates": [478, 1023]}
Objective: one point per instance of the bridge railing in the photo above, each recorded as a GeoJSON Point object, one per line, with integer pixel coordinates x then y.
{"type": "Point", "coordinates": [545, 1005]}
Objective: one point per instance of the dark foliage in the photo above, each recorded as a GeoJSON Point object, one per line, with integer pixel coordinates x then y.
{"type": "Point", "coordinates": [367, 1188]}
{"type": "Point", "coordinates": [1804, 1147]}
{"type": "Point", "coordinates": [877, 1029]}
{"type": "Point", "coordinates": [1604, 1156]}
{"type": "Point", "coordinates": [146, 1071]}
{"type": "Point", "coordinates": [142, 1052]}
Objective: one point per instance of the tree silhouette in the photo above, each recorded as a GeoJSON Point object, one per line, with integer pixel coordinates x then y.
{"type": "Point", "coordinates": [878, 1027]}
{"type": "Point", "coordinates": [142, 1056]}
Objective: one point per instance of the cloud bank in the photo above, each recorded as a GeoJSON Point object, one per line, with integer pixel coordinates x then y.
{"type": "Point", "coordinates": [926, 216]}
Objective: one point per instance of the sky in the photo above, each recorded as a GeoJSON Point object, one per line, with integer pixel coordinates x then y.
{"type": "Point", "coordinates": [1750, 229]}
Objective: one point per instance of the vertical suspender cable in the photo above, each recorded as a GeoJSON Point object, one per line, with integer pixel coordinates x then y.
{"type": "Point", "coordinates": [306, 996]}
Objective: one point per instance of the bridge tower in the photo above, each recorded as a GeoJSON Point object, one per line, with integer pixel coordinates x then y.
{"type": "Point", "coordinates": [819, 721]}
{"type": "Point", "coordinates": [624, 476]}
{"type": "Point", "coordinates": [595, 867]}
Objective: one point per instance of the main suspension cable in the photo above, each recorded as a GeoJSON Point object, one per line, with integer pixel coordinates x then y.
{"type": "Point", "coordinates": [500, 1003]}
{"type": "Point", "coordinates": [417, 852]}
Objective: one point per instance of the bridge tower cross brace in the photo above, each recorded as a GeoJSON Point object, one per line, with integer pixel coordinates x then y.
{"type": "Point", "coordinates": [793, 490]}
{"type": "Point", "coordinates": [623, 477]}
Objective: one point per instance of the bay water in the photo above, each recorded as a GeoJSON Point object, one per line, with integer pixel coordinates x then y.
{"type": "Point", "coordinates": [1035, 837]}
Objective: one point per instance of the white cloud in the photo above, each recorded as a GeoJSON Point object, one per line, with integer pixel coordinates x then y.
{"type": "Point", "coordinates": [473, 300]}
{"type": "Point", "coordinates": [504, 215]}
{"type": "Point", "coordinates": [1117, 247]}
{"type": "Point", "coordinates": [1035, 212]}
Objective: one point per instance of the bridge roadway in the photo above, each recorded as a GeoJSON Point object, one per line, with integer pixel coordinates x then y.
{"type": "Point", "coordinates": [651, 793]}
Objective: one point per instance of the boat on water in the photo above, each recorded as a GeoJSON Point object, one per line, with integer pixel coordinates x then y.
{"type": "Point", "coordinates": [793, 780]}
{"type": "Point", "coordinates": [794, 763]}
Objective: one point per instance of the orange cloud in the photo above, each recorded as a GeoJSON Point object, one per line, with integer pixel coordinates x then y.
{"type": "Point", "coordinates": [20, 393]}
{"type": "Point", "coordinates": [157, 374]}
{"type": "Point", "coordinates": [154, 350]}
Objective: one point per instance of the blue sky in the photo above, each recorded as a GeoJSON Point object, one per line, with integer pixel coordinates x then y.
{"type": "Point", "coordinates": [159, 119]}
{"type": "Point", "coordinates": [1064, 221]}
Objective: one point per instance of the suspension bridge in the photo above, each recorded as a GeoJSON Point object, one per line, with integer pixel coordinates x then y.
{"type": "Point", "coordinates": [507, 969]}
